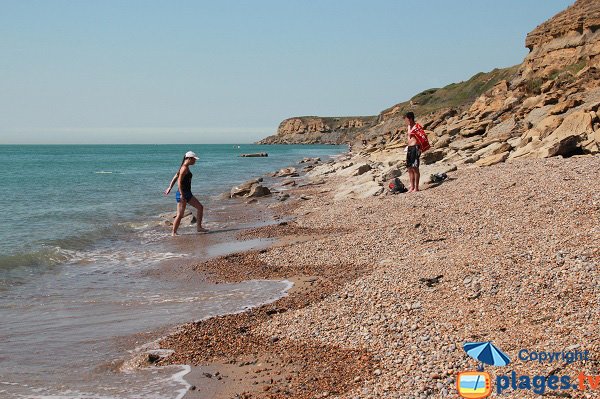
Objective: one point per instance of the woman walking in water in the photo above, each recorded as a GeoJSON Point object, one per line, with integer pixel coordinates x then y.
{"type": "Point", "coordinates": [184, 193]}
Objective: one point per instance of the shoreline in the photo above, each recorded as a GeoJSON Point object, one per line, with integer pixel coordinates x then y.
{"type": "Point", "coordinates": [282, 350]}
{"type": "Point", "coordinates": [223, 242]}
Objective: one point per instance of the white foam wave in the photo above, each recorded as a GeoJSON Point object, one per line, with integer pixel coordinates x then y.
{"type": "Point", "coordinates": [122, 257]}
{"type": "Point", "coordinates": [178, 378]}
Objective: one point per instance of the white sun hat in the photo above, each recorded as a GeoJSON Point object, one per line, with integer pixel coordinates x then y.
{"type": "Point", "coordinates": [191, 154]}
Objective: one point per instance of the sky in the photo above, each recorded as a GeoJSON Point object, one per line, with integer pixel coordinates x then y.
{"type": "Point", "coordinates": [229, 71]}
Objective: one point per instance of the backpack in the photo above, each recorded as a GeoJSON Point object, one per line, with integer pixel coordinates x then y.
{"type": "Point", "coordinates": [421, 137]}
{"type": "Point", "coordinates": [396, 186]}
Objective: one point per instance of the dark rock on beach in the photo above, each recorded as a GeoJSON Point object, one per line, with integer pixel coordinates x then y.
{"type": "Point", "coordinates": [255, 155]}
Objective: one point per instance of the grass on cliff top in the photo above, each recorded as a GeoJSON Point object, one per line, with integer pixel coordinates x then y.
{"type": "Point", "coordinates": [456, 94]}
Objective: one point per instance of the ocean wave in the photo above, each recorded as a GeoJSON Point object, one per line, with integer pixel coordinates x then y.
{"type": "Point", "coordinates": [84, 240]}
{"type": "Point", "coordinates": [49, 257]}
{"type": "Point", "coordinates": [45, 257]}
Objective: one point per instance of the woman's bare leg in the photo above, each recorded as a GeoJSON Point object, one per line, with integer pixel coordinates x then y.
{"type": "Point", "coordinates": [196, 204]}
{"type": "Point", "coordinates": [180, 212]}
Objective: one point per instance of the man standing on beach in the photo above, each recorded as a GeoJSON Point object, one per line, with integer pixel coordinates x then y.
{"type": "Point", "coordinates": [413, 151]}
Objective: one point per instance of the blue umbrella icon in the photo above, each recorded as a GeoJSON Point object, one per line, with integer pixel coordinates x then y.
{"type": "Point", "coordinates": [486, 352]}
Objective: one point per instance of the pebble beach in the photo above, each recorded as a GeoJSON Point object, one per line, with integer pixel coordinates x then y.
{"type": "Point", "coordinates": [388, 288]}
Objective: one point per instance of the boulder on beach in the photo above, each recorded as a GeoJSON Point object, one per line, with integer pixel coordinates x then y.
{"type": "Point", "coordinates": [310, 160]}
{"type": "Point", "coordinates": [362, 169]}
{"type": "Point", "coordinates": [286, 172]}
{"type": "Point", "coordinates": [258, 191]}
{"type": "Point", "coordinates": [244, 188]}
{"type": "Point", "coordinates": [250, 189]}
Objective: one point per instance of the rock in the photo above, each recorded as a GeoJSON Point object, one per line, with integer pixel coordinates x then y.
{"type": "Point", "coordinates": [362, 169]}
{"type": "Point", "coordinates": [314, 129]}
{"type": "Point", "coordinates": [432, 156]}
{"type": "Point", "coordinates": [532, 102]}
{"type": "Point", "coordinates": [547, 86]}
{"type": "Point", "coordinates": [487, 106]}
{"type": "Point", "coordinates": [503, 129]}
{"type": "Point", "coordinates": [258, 191]}
{"type": "Point", "coordinates": [254, 155]}
{"type": "Point", "coordinates": [442, 142]}
{"type": "Point", "coordinates": [563, 40]}
{"type": "Point", "coordinates": [527, 150]}
{"type": "Point", "coordinates": [563, 141]}
{"type": "Point", "coordinates": [316, 182]}
{"type": "Point", "coordinates": [492, 149]}
{"type": "Point", "coordinates": [289, 182]}
{"type": "Point", "coordinates": [455, 128]}
{"type": "Point", "coordinates": [310, 160]}
{"type": "Point", "coordinates": [392, 172]}
{"type": "Point", "coordinates": [286, 172]}
{"type": "Point", "coordinates": [465, 144]}
{"type": "Point", "coordinates": [475, 129]}
{"type": "Point", "coordinates": [544, 127]}
{"type": "Point", "coordinates": [283, 197]}
{"type": "Point", "coordinates": [564, 106]}
{"type": "Point", "coordinates": [244, 188]}
{"type": "Point", "coordinates": [492, 159]}
{"type": "Point", "coordinates": [189, 219]}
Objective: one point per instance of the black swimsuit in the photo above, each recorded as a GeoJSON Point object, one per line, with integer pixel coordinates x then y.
{"type": "Point", "coordinates": [186, 187]}
{"type": "Point", "coordinates": [186, 182]}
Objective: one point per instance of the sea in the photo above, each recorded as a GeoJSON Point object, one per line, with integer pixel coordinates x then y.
{"type": "Point", "coordinates": [82, 247]}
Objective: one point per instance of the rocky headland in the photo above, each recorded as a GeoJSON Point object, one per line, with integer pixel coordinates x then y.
{"type": "Point", "coordinates": [319, 130]}
{"type": "Point", "coordinates": [544, 107]}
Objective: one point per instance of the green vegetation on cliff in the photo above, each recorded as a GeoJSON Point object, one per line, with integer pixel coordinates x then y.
{"type": "Point", "coordinates": [454, 95]}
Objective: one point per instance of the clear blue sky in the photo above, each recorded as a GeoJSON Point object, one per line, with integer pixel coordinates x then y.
{"type": "Point", "coordinates": [148, 71]}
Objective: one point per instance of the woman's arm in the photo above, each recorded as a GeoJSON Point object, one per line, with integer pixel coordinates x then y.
{"type": "Point", "coordinates": [168, 190]}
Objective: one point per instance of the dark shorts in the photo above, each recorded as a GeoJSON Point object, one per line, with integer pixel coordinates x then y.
{"type": "Point", "coordinates": [412, 156]}
{"type": "Point", "coordinates": [187, 195]}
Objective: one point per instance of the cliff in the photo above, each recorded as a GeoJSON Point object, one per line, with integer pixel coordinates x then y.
{"type": "Point", "coordinates": [546, 106]}
{"type": "Point", "coordinates": [314, 129]}
{"type": "Point", "coordinates": [570, 37]}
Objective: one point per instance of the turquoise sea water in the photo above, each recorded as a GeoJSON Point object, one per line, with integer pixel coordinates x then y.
{"type": "Point", "coordinates": [83, 258]}
{"type": "Point", "coordinates": [57, 197]}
